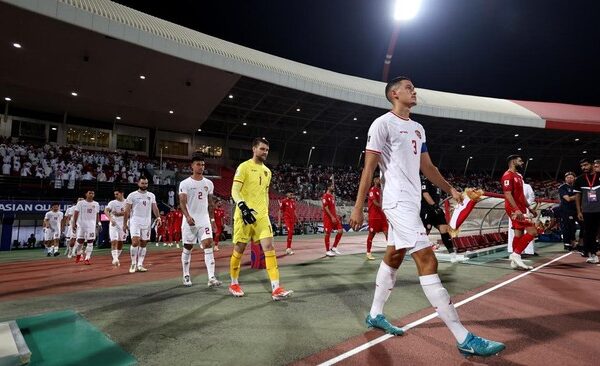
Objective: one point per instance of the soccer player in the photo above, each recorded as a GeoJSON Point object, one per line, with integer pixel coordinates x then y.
{"type": "Point", "coordinates": [70, 236]}
{"type": "Point", "coordinates": [397, 144]}
{"type": "Point", "coordinates": [568, 211]}
{"type": "Point", "coordinates": [115, 210]}
{"type": "Point", "coordinates": [176, 225]}
{"type": "Point", "coordinates": [161, 231]}
{"type": "Point", "coordinates": [139, 207]}
{"type": "Point", "coordinates": [197, 203]}
{"type": "Point", "coordinates": [250, 191]}
{"type": "Point", "coordinates": [52, 229]}
{"type": "Point", "coordinates": [219, 217]}
{"type": "Point", "coordinates": [432, 214]}
{"type": "Point", "coordinates": [377, 220]}
{"type": "Point", "coordinates": [85, 221]}
{"type": "Point", "coordinates": [516, 206]}
{"type": "Point", "coordinates": [287, 209]}
{"type": "Point", "coordinates": [331, 221]}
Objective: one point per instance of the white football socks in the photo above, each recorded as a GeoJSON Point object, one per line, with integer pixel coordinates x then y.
{"type": "Point", "coordinates": [186, 257]}
{"type": "Point", "coordinates": [141, 256]}
{"type": "Point", "coordinates": [440, 300]}
{"type": "Point", "coordinates": [209, 259]}
{"type": "Point", "coordinates": [384, 283]}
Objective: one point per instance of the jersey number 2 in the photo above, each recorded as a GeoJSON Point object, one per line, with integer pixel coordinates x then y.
{"type": "Point", "coordinates": [199, 195]}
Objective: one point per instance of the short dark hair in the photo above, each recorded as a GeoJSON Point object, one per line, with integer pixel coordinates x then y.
{"type": "Point", "coordinates": [570, 173]}
{"type": "Point", "coordinates": [513, 157]}
{"type": "Point", "coordinates": [118, 189]}
{"type": "Point", "coordinates": [585, 160]}
{"type": "Point", "coordinates": [143, 177]}
{"type": "Point", "coordinates": [258, 140]}
{"type": "Point", "coordinates": [197, 156]}
{"type": "Point", "coordinates": [54, 204]}
{"type": "Point", "coordinates": [393, 83]}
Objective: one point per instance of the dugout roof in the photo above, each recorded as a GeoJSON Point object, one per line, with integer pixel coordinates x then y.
{"type": "Point", "coordinates": [100, 48]}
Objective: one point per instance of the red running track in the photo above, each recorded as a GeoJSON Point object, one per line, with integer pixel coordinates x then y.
{"type": "Point", "coordinates": [549, 317]}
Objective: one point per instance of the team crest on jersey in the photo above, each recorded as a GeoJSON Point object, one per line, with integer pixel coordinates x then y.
{"type": "Point", "coordinates": [418, 133]}
{"type": "Point", "coordinates": [266, 174]}
{"type": "Point", "coordinates": [206, 189]}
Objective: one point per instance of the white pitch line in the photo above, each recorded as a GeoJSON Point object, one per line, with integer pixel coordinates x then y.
{"type": "Point", "coordinates": [424, 319]}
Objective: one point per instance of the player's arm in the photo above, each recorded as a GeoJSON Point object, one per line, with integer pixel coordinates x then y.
{"type": "Point", "coordinates": [428, 199]}
{"type": "Point", "coordinates": [126, 215]}
{"type": "Point", "coordinates": [578, 206]}
{"type": "Point", "coordinates": [511, 200]}
{"type": "Point", "coordinates": [211, 210]}
{"type": "Point", "coordinates": [433, 174]}
{"type": "Point", "coordinates": [357, 217]}
{"type": "Point", "coordinates": [331, 216]}
{"type": "Point", "coordinates": [75, 217]}
{"type": "Point", "coordinates": [156, 212]}
{"type": "Point", "coordinates": [238, 198]}
{"type": "Point", "coordinates": [184, 208]}
{"type": "Point", "coordinates": [107, 211]}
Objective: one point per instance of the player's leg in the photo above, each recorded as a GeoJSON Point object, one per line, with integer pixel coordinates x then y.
{"type": "Point", "coordinates": [205, 237]}
{"type": "Point", "coordinates": [443, 228]}
{"type": "Point", "coordinates": [338, 236]}
{"type": "Point", "coordinates": [591, 222]}
{"type": "Point", "coordinates": [55, 251]}
{"type": "Point", "coordinates": [327, 229]}
{"type": "Point", "coordinates": [524, 233]}
{"type": "Point", "coordinates": [89, 247]}
{"type": "Point", "coordinates": [264, 234]}
{"type": "Point", "coordinates": [439, 298]}
{"type": "Point", "coordinates": [241, 237]}
{"type": "Point", "coordinates": [217, 237]}
{"type": "Point", "coordinates": [134, 248]}
{"type": "Point", "coordinates": [290, 235]}
{"type": "Point", "coordinates": [370, 244]}
{"type": "Point", "coordinates": [145, 236]}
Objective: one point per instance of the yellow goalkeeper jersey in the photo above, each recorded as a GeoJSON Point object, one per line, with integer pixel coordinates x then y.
{"type": "Point", "coordinates": [255, 180]}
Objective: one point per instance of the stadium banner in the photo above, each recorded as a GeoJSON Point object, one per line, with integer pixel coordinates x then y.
{"type": "Point", "coordinates": [34, 206]}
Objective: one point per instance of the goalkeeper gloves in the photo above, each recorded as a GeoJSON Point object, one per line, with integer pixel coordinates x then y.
{"type": "Point", "coordinates": [247, 213]}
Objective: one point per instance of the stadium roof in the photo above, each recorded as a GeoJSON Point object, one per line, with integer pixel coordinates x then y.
{"type": "Point", "coordinates": [194, 74]}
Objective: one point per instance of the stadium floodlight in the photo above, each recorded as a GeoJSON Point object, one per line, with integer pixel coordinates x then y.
{"type": "Point", "coordinates": [8, 99]}
{"type": "Point", "coordinates": [199, 130]}
{"type": "Point", "coordinates": [17, 45]}
{"type": "Point", "coordinates": [74, 93]}
{"type": "Point", "coordinates": [118, 117]}
{"type": "Point", "coordinates": [576, 140]}
{"type": "Point", "coordinates": [171, 112]}
{"type": "Point", "coordinates": [143, 77]}
{"type": "Point", "coordinates": [516, 135]}
{"type": "Point", "coordinates": [406, 9]}
{"type": "Point", "coordinates": [304, 132]}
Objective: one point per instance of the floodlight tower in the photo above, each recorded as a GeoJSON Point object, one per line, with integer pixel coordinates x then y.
{"type": "Point", "coordinates": [403, 10]}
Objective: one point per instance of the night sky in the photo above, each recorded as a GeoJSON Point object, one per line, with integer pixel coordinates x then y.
{"type": "Point", "coordinates": [542, 50]}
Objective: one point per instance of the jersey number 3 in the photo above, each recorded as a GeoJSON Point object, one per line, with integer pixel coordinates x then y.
{"type": "Point", "coordinates": [414, 144]}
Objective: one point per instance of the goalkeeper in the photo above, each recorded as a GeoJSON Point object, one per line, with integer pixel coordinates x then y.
{"type": "Point", "coordinates": [432, 214]}
{"type": "Point", "coordinates": [250, 191]}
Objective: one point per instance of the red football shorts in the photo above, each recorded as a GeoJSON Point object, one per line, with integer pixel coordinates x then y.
{"type": "Point", "coordinates": [329, 226]}
{"type": "Point", "coordinates": [378, 225]}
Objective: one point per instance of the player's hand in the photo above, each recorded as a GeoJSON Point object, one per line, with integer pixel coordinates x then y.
{"type": "Point", "coordinates": [518, 215]}
{"type": "Point", "coordinates": [112, 223]}
{"type": "Point", "coordinates": [580, 216]}
{"type": "Point", "coordinates": [190, 221]}
{"type": "Point", "coordinates": [74, 227]}
{"type": "Point", "coordinates": [158, 222]}
{"type": "Point", "coordinates": [334, 219]}
{"type": "Point", "coordinates": [247, 213]}
{"type": "Point", "coordinates": [458, 197]}
{"type": "Point", "coordinates": [437, 210]}
{"type": "Point", "coordinates": [356, 219]}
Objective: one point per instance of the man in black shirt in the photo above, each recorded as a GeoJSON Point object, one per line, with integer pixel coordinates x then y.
{"type": "Point", "coordinates": [568, 211]}
{"type": "Point", "coordinates": [432, 214]}
{"type": "Point", "coordinates": [587, 189]}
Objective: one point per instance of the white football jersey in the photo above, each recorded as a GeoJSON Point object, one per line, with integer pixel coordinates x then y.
{"type": "Point", "coordinates": [88, 213]}
{"type": "Point", "coordinates": [197, 192]}
{"type": "Point", "coordinates": [399, 142]}
{"type": "Point", "coordinates": [54, 219]}
{"type": "Point", "coordinates": [141, 206]}
{"type": "Point", "coordinates": [116, 206]}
